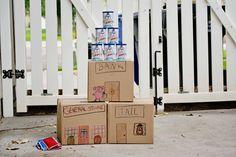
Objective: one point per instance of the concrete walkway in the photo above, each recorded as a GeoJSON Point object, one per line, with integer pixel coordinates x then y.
{"type": "Point", "coordinates": [179, 134]}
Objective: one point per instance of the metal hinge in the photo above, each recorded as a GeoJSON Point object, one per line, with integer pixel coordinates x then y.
{"type": "Point", "coordinates": [157, 72]}
{"type": "Point", "coordinates": [158, 100]}
{"type": "Point", "coordinates": [160, 39]}
{"type": "Point", "coordinates": [9, 74]}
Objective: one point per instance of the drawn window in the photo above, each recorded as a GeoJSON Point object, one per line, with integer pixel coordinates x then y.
{"type": "Point", "coordinates": [100, 130]}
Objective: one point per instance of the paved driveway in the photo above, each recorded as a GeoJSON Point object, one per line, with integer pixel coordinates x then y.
{"type": "Point", "coordinates": [178, 134]}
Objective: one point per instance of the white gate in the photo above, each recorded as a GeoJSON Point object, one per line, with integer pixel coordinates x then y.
{"type": "Point", "coordinates": [49, 66]}
{"type": "Point", "coordinates": [44, 82]}
{"type": "Point", "coordinates": [198, 75]}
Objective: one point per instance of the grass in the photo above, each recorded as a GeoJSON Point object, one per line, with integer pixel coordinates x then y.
{"type": "Point", "coordinates": [28, 35]}
{"type": "Point", "coordinates": [60, 67]}
{"type": "Point", "coordinates": [28, 38]}
{"type": "Point", "coordinates": [224, 59]}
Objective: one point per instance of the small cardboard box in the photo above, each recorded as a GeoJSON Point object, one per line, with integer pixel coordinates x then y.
{"type": "Point", "coordinates": [110, 80]}
{"type": "Point", "coordinates": [80, 122]}
{"type": "Point", "coordinates": [131, 122]}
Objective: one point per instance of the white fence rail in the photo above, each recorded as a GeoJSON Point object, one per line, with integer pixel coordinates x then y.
{"type": "Point", "coordinates": [191, 72]}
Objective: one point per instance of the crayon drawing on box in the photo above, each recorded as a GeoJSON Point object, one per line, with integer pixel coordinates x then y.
{"type": "Point", "coordinates": [71, 134]}
{"type": "Point", "coordinates": [112, 90]}
{"type": "Point", "coordinates": [140, 129]}
{"type": "Point", "coordinates": [99, 133]}
{"type": "Point", "coordinates": [83, 134]}
{"type": "Point", "coordinates": [98, 93]}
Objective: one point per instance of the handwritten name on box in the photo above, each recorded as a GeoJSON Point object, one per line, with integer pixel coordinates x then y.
{"type": "Point", "coordinates": [75, 110]}
{"type": "Point", "coordinates": [129, 111]}
{"type": "Point", "coordinates": [106, 67]}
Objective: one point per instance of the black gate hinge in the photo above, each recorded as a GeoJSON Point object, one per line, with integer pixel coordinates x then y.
{"type": "Point", "coordinates": [158, 100]}
{"type": "Point", "coordinates": [157, 72]}
{"type": "Point", "coordinates": [160, 39]}
{"type": "Point", "coordinates": [9, 74]}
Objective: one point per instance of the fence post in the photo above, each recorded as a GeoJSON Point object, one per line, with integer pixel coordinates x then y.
{"type": "Point", "coordinates": [6, 52]}
{"type": "Point", "coordinates": [156, 26]}
{"type": "Point", "coordinates": [231, 48]}
{"type": "Point", "coordinates": [0, 76]}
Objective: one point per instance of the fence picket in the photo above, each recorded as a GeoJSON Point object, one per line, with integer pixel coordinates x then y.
{"type": "Point", "coordinates": [231, 48]}
{"type": "Point", "coordinates": [187, 45]}
{"type": "Point", "coordinates": [66, 47]}
{"type": "Point", "coordinates": [156, 26]}
{"type": "Point", "coordinates": [143, 47]}
{"type": "Point", "coordinates": [113, 5]}
{"type": "Point", "coordinates": [217, 55]}
{"type": "Point", "coordinates": [128, 22]}
{"type": "Point", "coordinates": [36, 47]}
{"type": "Point", "coordinates": [97, 6]}
{"type": "Point", "coordinates": [173, 48]}
{"type": "Point", "coordinates": [20, 54]}
{"type": "Point", "coordinates": [202, 46]}
{"type": "Point", "coordinates": [51, 46]}
{"type": "Point", "coordinates": [82, 55]}
{"type": "Point", "coordinates": [6, 51]}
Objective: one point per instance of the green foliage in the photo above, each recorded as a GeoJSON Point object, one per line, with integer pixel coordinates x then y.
{"type": "Point", "coordinates": [28, 35]}
{"type": "Point", "coordinates": [27, 8]}
{"type": "Point", "coordinates": [43, 7]}
{"type": "Point", "coordinates": [224, 59]}
{"type": "Point", "coordinates": [27, 5]}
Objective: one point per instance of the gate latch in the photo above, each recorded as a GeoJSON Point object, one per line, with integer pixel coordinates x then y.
{"type": "Point", "coordinates": [9, 74]}
{"type": "Point", "coordinates": [157, 71]}
{"type": "Point", "coordinates": [158, 100]}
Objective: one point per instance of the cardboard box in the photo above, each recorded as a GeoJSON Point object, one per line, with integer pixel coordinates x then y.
{"type": "Point", "coordinates": [80, 122]}
{"type": "Point", "coordinates": [130, 122]}
{"type": "Point", "coordinates": [110, 80]}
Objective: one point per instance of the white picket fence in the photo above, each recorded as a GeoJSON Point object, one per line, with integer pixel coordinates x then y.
{"type": "Point", "coordinates": [89, 16]}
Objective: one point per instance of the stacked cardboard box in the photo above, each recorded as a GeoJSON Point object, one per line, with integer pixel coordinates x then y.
{"type": "Point", "coordinates": [83, 122]}
{"type": "Point", "coordinates": [80, 122]}
{"type": "Point", "coordinates": [110, 80]}
{"type": "Point", "coordinates": [130, 122]}
{"type": "Point", "coordinates": [110, 114]}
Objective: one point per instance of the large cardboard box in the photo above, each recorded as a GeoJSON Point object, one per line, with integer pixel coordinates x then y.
{"type": "Point", "coordinates": [80, 122]}
{"type": "Point", "coordinates": [130, 122]}
{"type": "Point", "coordinates": [110, 80]}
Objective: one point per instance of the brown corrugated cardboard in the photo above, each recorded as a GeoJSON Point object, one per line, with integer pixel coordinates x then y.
{"type": "Point", "coordinates": [130, 122]}
{"type": "Point", "coordinates": [110, 80]}
{"type": "Point", "coordinates": [80, 122]}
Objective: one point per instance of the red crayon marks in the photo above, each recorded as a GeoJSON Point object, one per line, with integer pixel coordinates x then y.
{"type": "Point", "coordinates": [83, 134]}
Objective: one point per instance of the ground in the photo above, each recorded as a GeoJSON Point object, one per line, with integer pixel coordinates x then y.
{"type": "Point", "coordinates": [184, 134]}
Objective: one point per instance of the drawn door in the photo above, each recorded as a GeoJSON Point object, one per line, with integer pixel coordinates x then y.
{"type": "Point", "coordinates": [121, 133]}
{"type": "Point", "coordinates": [70, 140]}
{"type": "Point", "coordinates": [83, 135]}
{"type": "Point", "coordinates": [112, 90]}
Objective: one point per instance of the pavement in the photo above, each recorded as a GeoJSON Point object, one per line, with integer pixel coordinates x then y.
{"type": "Point", "coordinates": [210, 133]}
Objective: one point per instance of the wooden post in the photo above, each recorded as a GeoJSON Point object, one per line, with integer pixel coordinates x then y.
{"type": "Point", "coordinates": [6, 52]}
